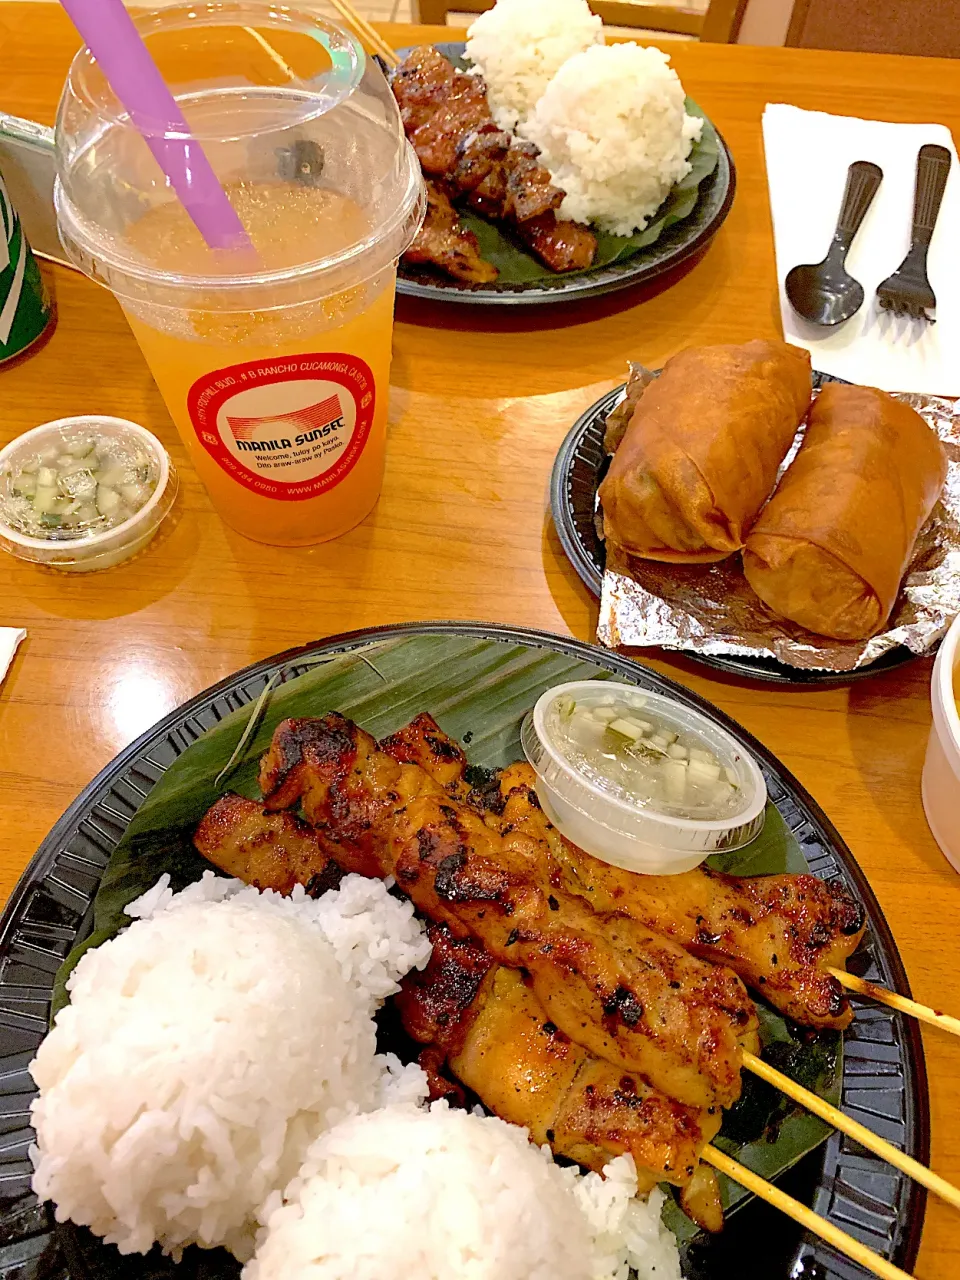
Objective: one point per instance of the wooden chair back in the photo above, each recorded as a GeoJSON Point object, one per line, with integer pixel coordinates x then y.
{"type": "Point", "coordinates": [718, 22]}
{"type": "Point", "coordinates": [923, 27]}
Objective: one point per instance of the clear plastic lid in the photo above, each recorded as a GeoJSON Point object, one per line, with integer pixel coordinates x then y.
{"type": "Point", "coordinates": [641, 781]}
{"type": "Point", "coordinates": [291, 114]}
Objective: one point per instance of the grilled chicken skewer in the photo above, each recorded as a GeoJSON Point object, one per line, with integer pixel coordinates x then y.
{"type": "Point", "coordinates": [485, 1022]}
{"type": "Point", "coordinates": [781, 933]}
{"type": "Point", "coordinates": [623, 992]}
{"type": "Point", "coordinates": [494, 1034]}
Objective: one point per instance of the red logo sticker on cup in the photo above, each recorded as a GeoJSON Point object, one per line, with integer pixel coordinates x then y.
{"type": "Point", "coordinates": [289, 428]}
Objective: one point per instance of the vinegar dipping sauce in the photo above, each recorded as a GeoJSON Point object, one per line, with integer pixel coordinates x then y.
{"type": "Point", "coordinates": [635, 754]}
{"type": "Point", "coordinates": [76, 486]}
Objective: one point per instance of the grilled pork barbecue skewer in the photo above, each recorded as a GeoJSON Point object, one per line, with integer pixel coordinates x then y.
{"type": "Point", "coordinates": [448, 121]}
{"type": "Point", "coordinates": [443, 241]}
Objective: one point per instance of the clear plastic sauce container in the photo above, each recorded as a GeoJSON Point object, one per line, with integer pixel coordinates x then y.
{"type": "Point", "coordinates": [639, 780]}
{"type": "Point", "coordinates": [83, 493]}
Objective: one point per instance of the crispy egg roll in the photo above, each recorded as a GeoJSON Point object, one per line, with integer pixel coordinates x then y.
{"type": "Point", "coordinates": [702, 450]}
{"type": "Point", "coordinates": [833, 543]}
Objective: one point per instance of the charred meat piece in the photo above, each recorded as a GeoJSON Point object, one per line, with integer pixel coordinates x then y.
{"type": "Point", "coordinates": [500, 1042]}
{"type": "Point", "coordinates": [423, 742]}
{"type": "Point", "coordinates": [268, 850]}
{"type": "Point", "coordinates": [444, 242]}
{"type": "Point", "coordinates": [479, 171]}
{"type": "Point", "coordinates": [623, 992]}
{"type": "Point", "coordinates": [503, 177]}
{"type": "Point", "coordinates": [530, 191]}
{"type": "Point", "coordinates": [447, 119]}
{"type": "Point", "coordinates": [438, 106]}
{"type": "Point", "coordinates": [561, 244]}
{"type": "Point", "coordinates": [780, 933]}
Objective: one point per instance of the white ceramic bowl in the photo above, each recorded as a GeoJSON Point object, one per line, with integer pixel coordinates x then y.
{"type": "Point", "coordinates": [625, 833]}
{"type": "Point", "coordinates": [88, 551]}
{"type": "Point", "coordinates": [940, 786]}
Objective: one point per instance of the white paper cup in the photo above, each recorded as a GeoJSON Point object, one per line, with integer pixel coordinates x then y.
{"type": "Point", "coordinates": [89, 551]}
{"type": "Point", "coordinates": [940, 785]}
{"type": "Point", "coordinates": [626, 833]}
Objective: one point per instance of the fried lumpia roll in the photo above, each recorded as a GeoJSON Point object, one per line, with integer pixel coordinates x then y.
{"type": "Point", "coordinates": [834, 541]}
{"type": "Point", "coordinates": [702, 450]}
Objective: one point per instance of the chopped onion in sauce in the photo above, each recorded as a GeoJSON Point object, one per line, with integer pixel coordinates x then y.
{"type": "Point", "coordinates": [84, 485]}
{"type": "Point", "coordinates": [629, 751]}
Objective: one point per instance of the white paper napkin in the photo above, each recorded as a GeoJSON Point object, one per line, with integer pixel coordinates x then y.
{"type": "Point", "coordinates": [808, 154]}
{"type": "Point", "coordinates": [10, 638]}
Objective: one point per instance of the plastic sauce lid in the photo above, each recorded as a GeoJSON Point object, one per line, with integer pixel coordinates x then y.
{"type": "Point", "coordinates": [89, 549]}
{"type": "Point", "coordinates": [603, 819]}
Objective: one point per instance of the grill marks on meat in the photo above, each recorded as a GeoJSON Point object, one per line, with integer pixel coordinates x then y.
{"type": "Point", "coordinates": [423, 742]}
{"type": "Point", "coordinates": [268, 850]}
{"type": "Point", "coordinates": [443, 241]}
{"type": "Point", "coordinates": [447, 119]}
{"type": "Point", "coordinates": [500, 1043]}
{"type": "Point", "coordinates": [438, 106]}
{"type": "Point", "coordinates": [627, 995]}
{"type": "Point", "coordinates": [561, 244]}
{"type": "Point", "coordinates": [779, 933]}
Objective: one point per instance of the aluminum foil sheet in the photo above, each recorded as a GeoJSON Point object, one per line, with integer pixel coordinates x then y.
{"type": "Point", "coordinates": [711, 609]}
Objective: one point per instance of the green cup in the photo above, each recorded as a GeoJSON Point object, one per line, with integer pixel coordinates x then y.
{"type": "Point", "coordinates": [25, 310]}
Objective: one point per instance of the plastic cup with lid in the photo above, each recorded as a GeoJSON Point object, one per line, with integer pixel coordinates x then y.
{"type": "Point", "coordinates": [274, 363]}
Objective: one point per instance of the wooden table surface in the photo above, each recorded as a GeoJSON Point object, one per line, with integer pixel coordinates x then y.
{"type": "Point", "coordinates": [479, 406]}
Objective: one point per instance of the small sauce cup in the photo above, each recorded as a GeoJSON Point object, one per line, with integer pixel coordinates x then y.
{"type": "Point", "coordinates": [598, 815]}
{"type": "Point", "coordinates": [88, 549]}
{"type": "Point", "coordinates": [940, 785]}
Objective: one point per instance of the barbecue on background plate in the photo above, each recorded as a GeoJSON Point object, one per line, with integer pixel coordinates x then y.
{"type": "Point", "coordinates": [675, 245]}
{"type": "Point", "coordinates": [580, 466]}
{"type": "Point", "coordinates": [51, 909]}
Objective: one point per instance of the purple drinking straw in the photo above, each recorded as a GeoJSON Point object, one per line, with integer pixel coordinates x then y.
{"type": "Point", "coordinates": [109, 33]}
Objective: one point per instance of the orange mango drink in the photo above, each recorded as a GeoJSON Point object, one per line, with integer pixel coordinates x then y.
{"type": "Point", "coordinates": [273, 359]}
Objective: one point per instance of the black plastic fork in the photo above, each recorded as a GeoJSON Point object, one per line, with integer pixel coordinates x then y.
{"type": "Point", "coordinates": [907, 292]}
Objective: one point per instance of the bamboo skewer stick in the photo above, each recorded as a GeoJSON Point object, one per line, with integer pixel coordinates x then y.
{"type": "Point", "coordinates": [842, 1242]}
{"type": "Point", "coordinates": [853, 1129]}
{"type": "Point", "coordinates": [903, 1004]}
{"type": "Point", "coordinates": [366, 32]}
{"type": "Point", "coordinates": [281, 65]}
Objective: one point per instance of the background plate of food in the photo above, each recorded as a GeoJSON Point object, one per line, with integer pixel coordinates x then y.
{"type": "Point", "coordinates": [212, 973]}
{"type": "Point", "coordinates": [570, 169]}
{"type": "Point", "coordinates": [881, 591]}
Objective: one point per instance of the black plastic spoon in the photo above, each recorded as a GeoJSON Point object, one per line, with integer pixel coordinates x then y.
{"type": "Point", "coordinates": [823, 292]}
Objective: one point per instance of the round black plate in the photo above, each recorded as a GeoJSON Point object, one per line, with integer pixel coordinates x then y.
{"type": "Point", "coordinates": [679, 242]}
{"type": "Point", "coordinates": [884, 1086]}
{"type": "Point", "coordinates": [578, 470]}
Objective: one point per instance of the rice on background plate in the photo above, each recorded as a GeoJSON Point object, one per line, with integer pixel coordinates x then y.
{"type": "Point", "coordinates": [519, 45]}
{"type": "Point", "coordinates": [206, 1047]}
{"type": "Point", "coordinates": [407, 1194]}
{"type": "Point", "coordinates": [613, 131]}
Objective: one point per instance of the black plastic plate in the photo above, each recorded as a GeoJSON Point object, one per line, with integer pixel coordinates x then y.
{"type": "Point", "coordinates": [884, 1083]}
{"type": "Point", "coordinates": [675, 245]}
{"type": "Point", "coordinates": [578, 470]}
